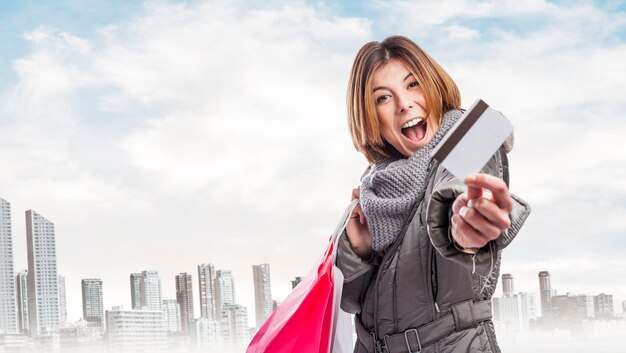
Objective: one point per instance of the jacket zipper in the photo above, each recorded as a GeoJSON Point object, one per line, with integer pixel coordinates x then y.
{"type": "Point", "coordinates": [432, 168]}
{"type": "Point", "coordinates": [434, 286]}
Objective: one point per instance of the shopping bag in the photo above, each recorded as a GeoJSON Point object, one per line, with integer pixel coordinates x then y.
{"type": "Point", "coordinates": [342, 339]}
{"type": "Point", "coordinates": [309, 320]}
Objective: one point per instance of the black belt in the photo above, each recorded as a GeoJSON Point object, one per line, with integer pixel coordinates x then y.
{"type": "Point", "coordinates": [462, 316]}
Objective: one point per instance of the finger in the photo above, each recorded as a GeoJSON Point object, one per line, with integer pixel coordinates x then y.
{"type": "Point", "coordinates": [491, 211]}
{"type": "Point", "coordinates": [459, 202]}
{"type": "Point", "coordinates": [465, 235]}
{"type": "Point", "coordinates": [496, 185]}
{"type": "Point", "coordinates": [474, 192]}
{"type": "Point", "coordinates": [361, 215]}
{"type": "Point", "coordinates": [356, 192]}
{"type": "Point", "coordinates": [358, 213]}
{"type": "Point", "coordinates": [481, 224]}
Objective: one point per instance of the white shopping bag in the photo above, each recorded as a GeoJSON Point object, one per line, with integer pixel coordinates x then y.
{"type": "Point", "coordinates": [342, 341]}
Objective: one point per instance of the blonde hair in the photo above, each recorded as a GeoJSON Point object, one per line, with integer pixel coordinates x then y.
{"type": "Point", "coordinates": [440, 91]}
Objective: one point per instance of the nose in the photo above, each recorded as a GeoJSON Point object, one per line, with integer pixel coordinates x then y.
{"type": "Point", "coordinates": [404, 103]}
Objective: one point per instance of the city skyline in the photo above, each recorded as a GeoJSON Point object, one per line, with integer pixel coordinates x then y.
{"type": "Point", "coordinates": [159, 321]}
{"type": "Point", "coordinates": [153, 297]}
{"type": "Point", "coordinates": [117, 124]}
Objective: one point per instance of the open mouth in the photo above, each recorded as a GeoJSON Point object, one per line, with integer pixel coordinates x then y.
{"type": "Point", "coordinates": [415, 130]}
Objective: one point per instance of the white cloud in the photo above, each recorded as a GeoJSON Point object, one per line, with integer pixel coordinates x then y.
{"type": "Point", "coordinates": [461, 32]}
{"type": "Point", "coordinates": [428, 13]}
{"type": "Point", "coordinates": [225, 128]}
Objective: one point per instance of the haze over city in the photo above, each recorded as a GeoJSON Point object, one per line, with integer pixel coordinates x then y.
{"type": "Point", "coordinates": [160, 135]}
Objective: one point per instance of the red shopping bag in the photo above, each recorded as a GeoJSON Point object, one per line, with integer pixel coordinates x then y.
{"type": "Point", "coordinates": [305, 322]}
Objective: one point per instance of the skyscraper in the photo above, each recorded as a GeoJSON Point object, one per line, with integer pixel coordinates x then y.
{"type": "Point", "coordinates": [570, 309]}
{"type": "Point", "coordinates": [62, 302]}
{"type": "Point", "coordinates": [150, 290]}
{"type": "Point", "coordinates": [206, 335]}
{"type": "Point", "coordinates": [234, 327]}
{"type": "Point", "coordinates": [43, 281]}
{"type": "Point", "coordinates": [8, 319]}
{"type": "Point", "coordinates": [135, 290]}
{"type": "Point", "coordinates": [171, 315]}
{"type": "Point", "coordinates": [93, 303]}
{"type": "Point", "coordinates": [514, 311]}
{"type": "Point", "coordinates": [545, 292]}
{"type": "Point", "coordinates": [208, 295]}
{"type": "Point", "coordinates": [225, 289]}
{"type": "Point", "coordinates": [184, 296]}
{"type": "Point", "coordinates": [603, 305]}
{"type": "Point", "coordinates": [21, 282]}
{"type": "Point", "coordinates": [262, 293]}
{"type": "Point", "coordinates": [507, 284]}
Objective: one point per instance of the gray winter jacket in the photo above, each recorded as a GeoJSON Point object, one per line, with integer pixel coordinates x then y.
{"type": "Point", "coordinates": [423, 294]}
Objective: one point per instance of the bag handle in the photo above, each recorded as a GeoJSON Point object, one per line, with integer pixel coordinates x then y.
{"type": "Point", "coordinates": [345, 218]}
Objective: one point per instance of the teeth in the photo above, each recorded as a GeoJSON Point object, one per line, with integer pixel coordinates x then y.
{"type": "Point", "coordinates": [412, 123]}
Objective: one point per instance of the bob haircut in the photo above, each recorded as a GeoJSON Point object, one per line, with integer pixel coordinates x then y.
{"type": "Point", "coordinates": [440, 91]}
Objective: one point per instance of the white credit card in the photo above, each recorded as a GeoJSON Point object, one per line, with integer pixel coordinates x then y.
{"type": "Point", "coordinates": [473, 140]}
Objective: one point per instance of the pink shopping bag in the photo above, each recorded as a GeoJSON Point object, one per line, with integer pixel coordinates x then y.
{"type": "Point", "coordinates": [308, 320]}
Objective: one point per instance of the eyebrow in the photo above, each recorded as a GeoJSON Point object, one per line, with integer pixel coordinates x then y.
{"type": "Point", "coordinates": [381, 87]}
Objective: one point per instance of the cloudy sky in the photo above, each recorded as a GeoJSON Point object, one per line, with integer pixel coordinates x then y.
{"type": "Point", "coordinates": [162, 135]}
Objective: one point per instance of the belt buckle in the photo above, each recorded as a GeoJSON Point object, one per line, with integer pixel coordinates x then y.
{"type": "Point", "coordinates": [408, 344]}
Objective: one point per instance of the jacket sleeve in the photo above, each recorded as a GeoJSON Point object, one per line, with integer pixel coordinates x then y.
{"type": "Point", "coordinates": [357, 275]}
{"type": "Point", "coordinates": [439, 211]}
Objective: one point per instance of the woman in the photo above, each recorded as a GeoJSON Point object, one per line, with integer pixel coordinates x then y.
{"type": "Point", "coordinates": [421, 252]}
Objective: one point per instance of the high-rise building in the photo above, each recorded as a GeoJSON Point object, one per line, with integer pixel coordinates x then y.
{"type": "Point", "coordinates": [62, 302]}
{"type": "Point", "coordinates": [8, 319]}
{"type": "Point", "coordinates": [495, 308]}
{"type": "Point", "coordinates": [234, 327]}
{"type": "Point", "coordinates": [571, 309]}
{"type": "Point", "coordinates": [93, 303]}
{"type": "Point", "coordinates": [21, 282]}
{"type": "Point", "coordinates": [262, 293]}
{"type": "Point", "coordinates": [507, 284]}
{"type": "Point", "coordinates": [135, 330]}
{"type": "Point", "coordinates": [150, 290]}
{"type": "Point", "coordinates": [225, 289]}
{"type": "Point", "coordinates": [514, 311]}
{"type": "Point", "coordinates": [545, 292]}
{"type": "Point", "coordinates": [184, 296]}
{"type": "Point", "coordinates": [207, 278]}
{"type": "Point", "coordinates": [171, 315]}
{"type": "Point", "coordinates": [603, 305]}
{"type": "Point", "coordinates": [135, 290]}
{"type": "Point", "coordinates": [206, 335]}
{"type": "Point", "coordinates": [43, 281]}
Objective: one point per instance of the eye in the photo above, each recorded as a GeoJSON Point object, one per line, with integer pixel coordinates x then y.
{"type": "Point", "coordinates": [413, 84]}
{"type": "Point", "coordinates": [382, 99]}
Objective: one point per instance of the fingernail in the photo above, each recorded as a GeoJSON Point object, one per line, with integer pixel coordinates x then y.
{"type": "Point", "coordinates": [463, 211]}
{"type": "Point", "coordinates": [470, 203]}
{"type": "Point", "coordinates": [487, 194]}
{"type": "Point", "coordinates": [470, 178]}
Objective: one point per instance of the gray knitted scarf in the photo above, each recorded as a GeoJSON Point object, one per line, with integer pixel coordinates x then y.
{"type": "Point", "coordinates": [391, 186]}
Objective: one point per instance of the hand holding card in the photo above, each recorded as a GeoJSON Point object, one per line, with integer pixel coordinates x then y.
{"type": "Point", "coordinates": [481, 213]}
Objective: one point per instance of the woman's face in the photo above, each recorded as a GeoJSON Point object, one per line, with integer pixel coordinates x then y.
{"type": "Point", "coordinates": [401, 108]}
